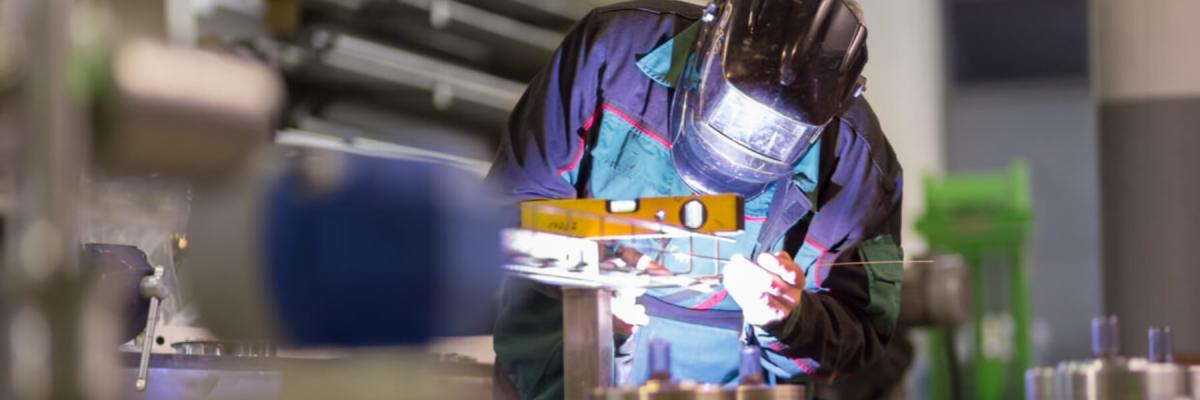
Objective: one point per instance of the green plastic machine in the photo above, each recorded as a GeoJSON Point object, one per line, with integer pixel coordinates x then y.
{"type": "Point", "coordinates": [985, 218]}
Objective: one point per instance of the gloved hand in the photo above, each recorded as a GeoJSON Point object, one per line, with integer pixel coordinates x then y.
{"type": "Point", "coordinates": [627, 314]}
{"type": "Point", "coordinates": [767, 291]}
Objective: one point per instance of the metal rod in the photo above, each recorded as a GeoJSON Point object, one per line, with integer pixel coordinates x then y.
{"type": "Point", "coordinates": [718, 259]}
{"type": "Point", "coordinates": [587, 341]}
{"type": "Point", "coordinates": [147, 345]}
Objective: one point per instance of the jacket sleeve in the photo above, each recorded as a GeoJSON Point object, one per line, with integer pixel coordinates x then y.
{"type": "Point", "coordinates": [539, 156]}
{"type": "Point", "coordinates": [849, 309]}
{"type": "Point", "coordinates": [542, 146]}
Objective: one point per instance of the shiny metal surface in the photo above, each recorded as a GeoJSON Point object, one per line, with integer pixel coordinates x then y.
{"type": "Point", "coordinates": [693, 391]}
{"type": "Point", "coordinates": [228, 349]}
{"type": "Point", "coordinates": [198, 384]}
{"type": "Point", "coordinates": [398, 374]}
{"type": "Point", "coordinates": [1161, 344]}
{"type": "Point", "coordinates": [1106, 379]}
{"type": "Point", "coordinates": [778, 392]}
{"type": "Point", "coordinates": [1193, 377]}
{"type": "Point", "coordinates": [151, 287]}
{"type": "Point", "coordinates": [1112, 376]}
{"type": "Point", "coordinates": [1040, 383]}
{"type": "Point", "coordinates": [587, 340]}
{"type": "Point", "coordinates": [1165, 380]}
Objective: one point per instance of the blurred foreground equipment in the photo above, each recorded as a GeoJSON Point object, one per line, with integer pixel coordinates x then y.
{"type": "Point", "coordinates": [320, 248]}
{"type": "Point", "coordinates": [1111, 375]}
{"type": "Point", "coordinates": [986, 219]}
{"type": "Point", "coordinates": [182, 111]}
{"type": "Point", "coordinates": [289, 245]}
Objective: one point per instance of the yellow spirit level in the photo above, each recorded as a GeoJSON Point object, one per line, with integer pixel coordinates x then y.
{"type": "Point", "coordinates": [719, 215]}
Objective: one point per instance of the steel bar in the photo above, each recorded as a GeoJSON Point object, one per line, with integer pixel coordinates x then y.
{"type": "Point", "coordinates": [587, 341]}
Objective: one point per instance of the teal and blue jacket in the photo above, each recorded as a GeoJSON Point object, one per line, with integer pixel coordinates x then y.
{"type": "Point", "coordinates": [593, 124]}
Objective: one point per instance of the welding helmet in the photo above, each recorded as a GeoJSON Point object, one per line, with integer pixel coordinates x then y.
{"type": "Point", "coordinates": [763, 80]}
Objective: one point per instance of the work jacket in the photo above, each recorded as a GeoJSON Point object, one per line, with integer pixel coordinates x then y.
{"type": "Point", "coordinates": [594, 123]}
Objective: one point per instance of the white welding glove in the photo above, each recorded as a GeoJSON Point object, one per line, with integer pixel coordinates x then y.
{"type": "Point", "coordinates": [765, 291]}
{"type": "Point", "coordinates": [625, 307]}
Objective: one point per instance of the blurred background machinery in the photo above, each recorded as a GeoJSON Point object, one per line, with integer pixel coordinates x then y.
{"type": "Point", "coordinates": [438, 75]}
{"type": "Point", "coordinates": [128, 158]}
{"type": "Point", "coordinates": [1111, 374]}
{"type": "Point", "coordinates": [985, 218]}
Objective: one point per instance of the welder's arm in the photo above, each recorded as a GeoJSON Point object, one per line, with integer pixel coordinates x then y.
{"type": "Point", "coordinates": [540, 151]}
{"type": "Point", "coordinates": [847, 314]}
{"type": "Point", "coordinates": [838, 330]}
{"type": "Point", "coordinates": [542, 146]}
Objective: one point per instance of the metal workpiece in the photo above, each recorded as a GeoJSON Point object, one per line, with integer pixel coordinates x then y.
{"type": "Point", "coordinates": [1102, 379]}
{"type": "Point", "coordinates": [661, 386]}
{"type": "Point", "coordinates": [587, 340]}
{"type": "Point", "coordinates": [1110, 375]}
{"type": "Point", "coordinates": [1160, 345]}
{"type": "Point", "coordinates": [750, 371]}
{"type": "Point", "coordinates": [1120, 378]}
{"type": "Point", "coordinates": [658, 390]}
{"type": "Point", "coordinates": [559, 241]}
{"type": "Point", "coordinates": [1165, 380]}
{"type": "Point", "coordinates": [226, 349]}
{"type": "Point", "coordinates": [1040, 384]}
{"type": "Point", "coordinates": [574, 262]}
{"type": "Point", "coordinates": [1106, 341]}
{"type": "Point", "coordinates": [1193, 378]}
{"type": "Point", "coordinates": [379, 373]}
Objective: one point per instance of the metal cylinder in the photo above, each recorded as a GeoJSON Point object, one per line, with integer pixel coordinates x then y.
{"type": "Point", "coordinates": [1105, 337]}
{"type": "Point", "coordinates": [660, 360]}
{"type": "Point", "coordinates": [1039, 383]}
{"type": "Point", "coordinates": [1164, 381]}
{"type": "Point", "coordinates": [750, 368]}
{"type": "Point", "coordinates": [1193, 377]}
{"type": "Point", "coordinates": [1161, 346]}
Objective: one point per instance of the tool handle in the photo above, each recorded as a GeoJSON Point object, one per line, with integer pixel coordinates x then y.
{"type": "Point", "coordinates": [147, 344]}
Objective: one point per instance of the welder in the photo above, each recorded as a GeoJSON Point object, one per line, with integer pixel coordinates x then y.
{"type": "Point", "coordinates": [761, 98]}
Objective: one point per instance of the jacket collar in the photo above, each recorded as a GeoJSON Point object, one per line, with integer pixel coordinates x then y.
{"type": "Point", "coordinates": [664, 64]}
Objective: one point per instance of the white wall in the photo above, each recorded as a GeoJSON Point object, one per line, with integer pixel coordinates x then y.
{"type": "Point", "coordinates": [905, 84]}
{"type": "Point", "coordinates": [1051, 125]}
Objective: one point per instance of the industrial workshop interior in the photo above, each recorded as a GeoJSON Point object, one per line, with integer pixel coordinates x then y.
{"type": "Point", "coordinates": [599, 199]}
